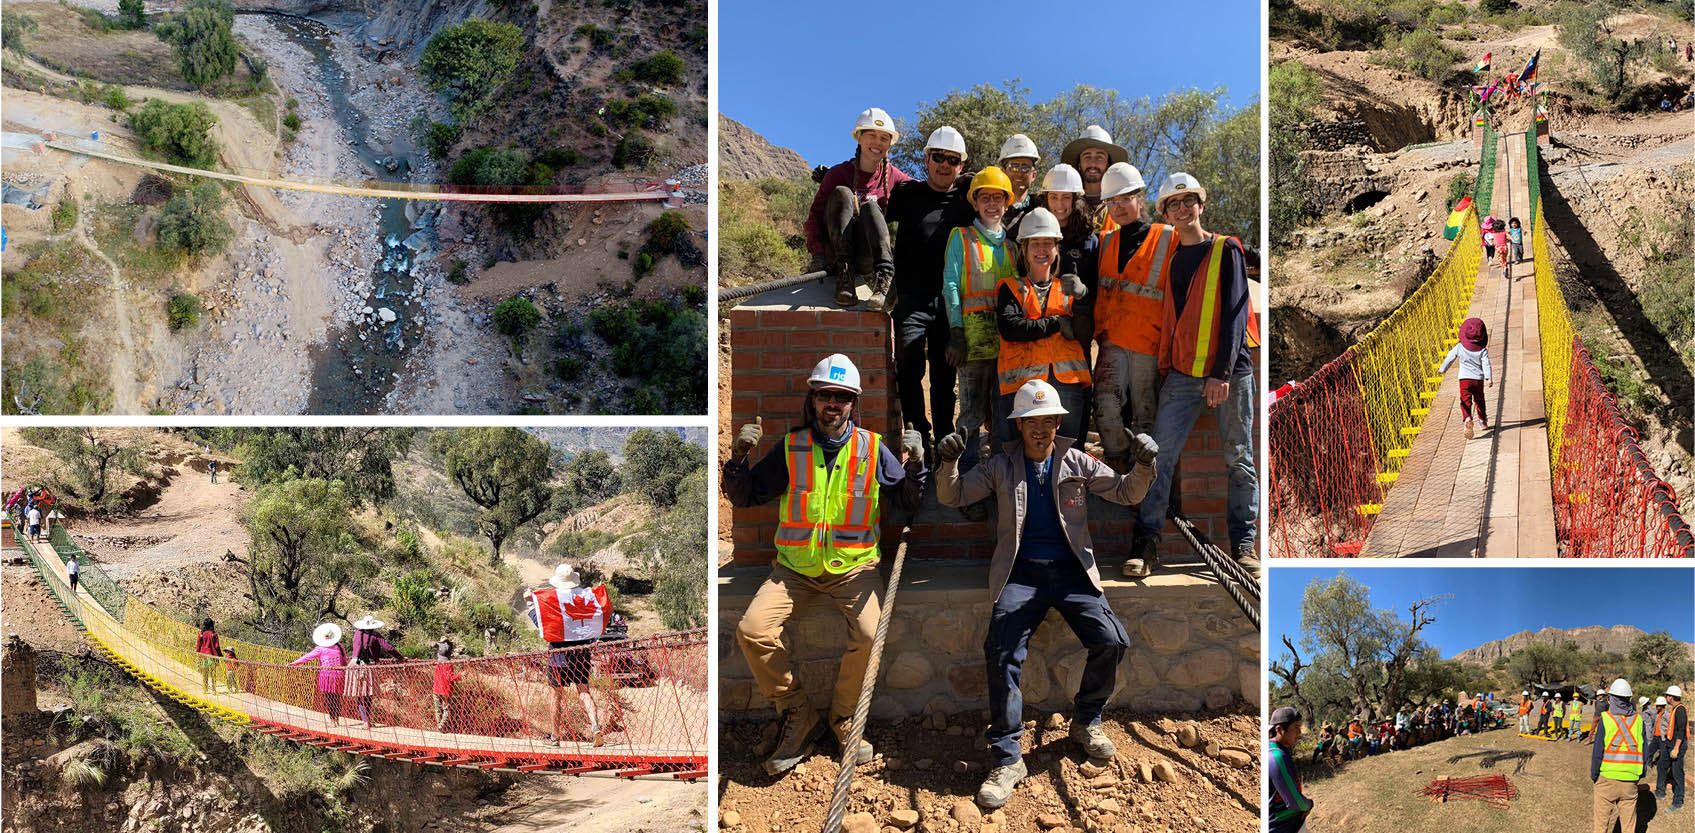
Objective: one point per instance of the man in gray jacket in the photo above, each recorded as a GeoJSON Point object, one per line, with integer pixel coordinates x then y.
{"type": "Point", "coordinates": [1043, 559]}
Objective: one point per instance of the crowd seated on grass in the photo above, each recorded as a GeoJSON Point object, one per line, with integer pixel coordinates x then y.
{"type": "Point", "coordinates": [1411, 726]}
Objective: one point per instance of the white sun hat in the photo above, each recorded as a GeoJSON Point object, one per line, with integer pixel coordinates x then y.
{"type": "Point", "coordinates": [564, 577]}
{"type": "Point", "coordinates": [327, 634]}
{"type": "Point", "coordinates": [368, 623]}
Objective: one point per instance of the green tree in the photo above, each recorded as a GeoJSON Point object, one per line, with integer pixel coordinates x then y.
{"type": "Point", "coordinates": [505, 471]}
{"type": "Point", "coordinates": [516, 316]}
{"type": "Point", "coordinates": [656, 460]}
{"type": "Point", "coordinates": [1586, 31]}
{"type": "Point", "coordinates": [302, 554]}
{"type": "Point", "coordinates": [91, 457]}
{"type": "Point", "coordinates": [470, 61]}
{"type": "Point", "coordinates": [1295, 92]}
{"type": "Point", "coordinates": [659, 68]}
{"type": "Point", "coordinates": [181, 133]}
{"type": "Point", "coordinates": [132, 14]}
{"type": "Point", "coordinates": [676, 553]}
{"type": "Point", "coordinates": [590, 478]}
{"type": "Point", "coordinates": [202, 40]}
{"type": "Point", "coordinates": [182, 310]}
{"type": "Point", "coordinates": [1660, 658]}
{"type": "Point", "coordinates": [360, 458]}
{"type": "Point", "coordinates": [193, 221]}
{"type": "Point", "coordinates": [1540, 662]}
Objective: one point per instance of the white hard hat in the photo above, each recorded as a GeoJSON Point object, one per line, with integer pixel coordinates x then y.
{"type": "Point", "coordinates": [1036, 398]}
{"type": "Point", "coordinates": [1620, 688]}
{"type": "Point", "coordinates": [1040, 222]}
{"type": "Point", "coordinates": [1121, 178]}
{"type": "Point", "coordinates": [1525, 694]}
{"type": "Point", "coordinates": [1018, 145]}
{"type": "Point", "coordinates": [1094, 136]}
{"type": "Point", "coordinates": [835, 371]}
{"type": "Point", "coordinates": [875, 118]}
{"type": "Point", "coordinates": [1559, 696]}
{"type": "Point", "coordinates": [1063, 177]}
{"type": "Point", "coordinates": [1640, 701]}
{"type": "Point", "coordinates": [327, 634]}
{"type": "Point", "coordinates": [946, 138]}
{"type": "Point", "coordinates": [1178, 183]}
{"type": "Point", "coordinates": [1674, 691]}
{"type": "Point", "coordinates": [1659, 701]}
{"type": "Point", "coordinates": [368, 623]}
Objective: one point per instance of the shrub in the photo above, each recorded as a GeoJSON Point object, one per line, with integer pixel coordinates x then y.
{"type": "Point", "coordinates": [756, 250]}
{"type": "Point", "coordinates": [491, 167]}
{"type": "Point", "coordinates": [65, 214]}
{"type": "Point", "coordinates": [456, 274]}
{"type": "Point", "coordinates": [694, 295]}
{"type": "Point", "coordinates": [132, 14]}
{"type": "Point", "coordinates": [597, 37]}
{"type": "Point", "coordinates": [202, 39]}
{"type": "Point", "coordinates": [568, 368]}
{"type": "Point", "coordinates": [193, 221]}
{"type": "Point", "coordinates": [659, 68]}
{"type": "Point", "coordinates": [666, 230]}
{"type": "Point", "coordinates": [183, 310]}
{"type": "Point", "coordinates": [643, 264]}
{"type": "Point", "coordinates": [1459, 188]}
{"type": "Point", "coordinates": [179, 132]}
{"type": "Point", "coordinates": [560, 157]}
{"type": "Point", "coordinates": [632, 151]}
{"type": "Point", "coordinates": [471, 60]}
{"type": "Point", "coordinates": [514, 316]}
{"type": "Point", "coordinates": [1493, 7]}
{"type": "Point", "coordinates": [1421, 52]}
{"type": "Point", "coordinates": [436, 137]}
{"type": "Point", "coordinates": [12, 29]}
{"type": "Point", "coordinates": [292, 121]}
{"type": "Point", "coordinates": [116, 99]}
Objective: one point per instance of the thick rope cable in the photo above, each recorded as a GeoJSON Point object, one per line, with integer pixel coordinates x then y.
{"type": "Point", "coordinates": [850, 744]}
{"type": "Point", "coordinates": [736, 293]}
{"type": "Point", "coordinates": [1233, 577]}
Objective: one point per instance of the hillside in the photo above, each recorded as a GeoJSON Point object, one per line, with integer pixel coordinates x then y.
{"type": "Point", "coordinates": [744, 154]}
{"type": "Point", "coordinates": [1614, 640]}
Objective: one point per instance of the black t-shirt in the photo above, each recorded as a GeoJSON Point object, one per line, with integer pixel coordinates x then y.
{"type": "Point", "coordinates": [925, 216]}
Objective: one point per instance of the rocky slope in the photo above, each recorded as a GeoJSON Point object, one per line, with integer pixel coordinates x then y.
{"type": "Point", "coordinates": [1614, 640]}
{"type": "Point", "coordinates": [744, 154]}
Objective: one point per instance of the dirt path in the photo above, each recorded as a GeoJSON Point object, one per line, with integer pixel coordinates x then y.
{"type": "Point", "coordinates": [194, 522]}
{"type": "Point", "coordinates": [556, 804]}
{"type": "Point", "coordinates": [126, 393]}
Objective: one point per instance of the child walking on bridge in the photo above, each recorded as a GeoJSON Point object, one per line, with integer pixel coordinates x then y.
{"type": "Point", "coordinates": [1472, 354]}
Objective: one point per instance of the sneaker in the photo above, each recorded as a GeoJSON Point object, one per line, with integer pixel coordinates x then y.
{"type": "Point", "coordinates": [1093, 738]}
{"type": "Point", "coordinates": [1144, 555]}
{"type": "Point", "coordinates": [1675, 808]}
{"type": "Point", "coordinates": [846, 296]}
{"type": "Point", "coordinates": [998, 787]}
{"type": "Point", "coordinates": [800, 728]}
{"type": "Point", "coordinates": [1468, 432]}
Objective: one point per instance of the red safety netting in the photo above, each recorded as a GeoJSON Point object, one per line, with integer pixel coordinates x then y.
{"type": "Point", "coordinates": [1607, 500]}
{"type": "Point", "coordinates": [1323, 465]}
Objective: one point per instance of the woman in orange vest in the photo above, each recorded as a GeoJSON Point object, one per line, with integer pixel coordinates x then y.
{"type": "Point", "coordinates": [1038, 339]}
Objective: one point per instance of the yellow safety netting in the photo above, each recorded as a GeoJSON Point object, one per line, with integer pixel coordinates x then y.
{"type": "Point", "coordinates": [1555, 333]}
{"type": "Point", "coordinates": [179, 638]}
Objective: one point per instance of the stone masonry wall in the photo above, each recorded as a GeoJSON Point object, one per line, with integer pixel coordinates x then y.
{"type": "Point", "coordinates": [1190, 648]}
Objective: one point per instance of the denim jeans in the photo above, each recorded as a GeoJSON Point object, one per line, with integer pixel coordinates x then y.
{"type": "Point", "coordinates": [979, 399]}
{"type": "Point", "coordinates": [1073, 396]}
{"type": "Point", "coordinates": [921, 333]}
{"type": "Point", "coordinates": [1124, 377]}
{"type": "Point", "coordinates": [1022, 606]}
{"type": "Point", "coordinates": [1181, 400]}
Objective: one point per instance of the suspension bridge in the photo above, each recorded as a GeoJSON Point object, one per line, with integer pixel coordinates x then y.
{"type": "Point", "coordinates": [651, 692]}
{"type": "Point", "coordinates": [1369, 456]}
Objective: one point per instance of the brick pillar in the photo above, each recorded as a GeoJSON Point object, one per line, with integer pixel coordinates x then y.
{"type": "Point", "coordinates": [775, 339]}
{"type": "Point", "coordinates": [17, 678]}
{"type": "Point", "coordinates": [8, 535]}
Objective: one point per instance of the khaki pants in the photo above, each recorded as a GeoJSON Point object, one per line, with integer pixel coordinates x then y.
{"type": "Point", "coordinates": [856, 595]}
{"type": "Point", "coordinates": [1615, 801]}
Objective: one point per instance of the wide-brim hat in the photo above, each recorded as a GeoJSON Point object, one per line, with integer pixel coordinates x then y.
{"type": "Point", "coordinates": [1094, 138]}
{"type": "Point", "coordinates": [564, 577]}
{"type": "Point", "coordinates": [368, 623]}
{"type": "Point", "coordinates": [327, 634]}
{"type": "Point", "coordinates": [1474, 334]}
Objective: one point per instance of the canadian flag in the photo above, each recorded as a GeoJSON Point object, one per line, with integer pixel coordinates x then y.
{"type": "Point", "coordinates": [573, 615]}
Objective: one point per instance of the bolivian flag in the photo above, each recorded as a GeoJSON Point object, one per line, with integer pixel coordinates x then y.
{"type": "Point", "coordinates": [1456, 219]}
{"type": "Point", "coordinates": [1483, 65]}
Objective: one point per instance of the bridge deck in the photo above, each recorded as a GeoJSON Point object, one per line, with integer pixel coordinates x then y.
{"type": "Point", "coordinates": [1487, 496]}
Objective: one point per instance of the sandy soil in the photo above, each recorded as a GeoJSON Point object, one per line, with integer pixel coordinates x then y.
{"type": "Point", "coordinates": [553, 804]}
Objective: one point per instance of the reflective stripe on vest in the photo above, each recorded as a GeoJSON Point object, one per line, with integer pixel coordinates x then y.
{"type": "Point", "coordinates": [1130, 304]}
{"type": "Point", "coordinates": [1149, 286]}
{"type": "Point", "coordinates": [1621, 755]}
{"type": "Point", "coordinates": [1187, 344]}
{"type": "Point", "coordinates": [977, 287]}
{"type": "Point", "coordinates": [1667, 721]}
{"type": "Point", "coordinates": [1021, 361]}
{"type": "Point", "coordinates": [828, 519]}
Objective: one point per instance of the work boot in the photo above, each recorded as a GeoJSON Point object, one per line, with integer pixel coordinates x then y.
{"type": "Point", "coordinates": [998, 787]}
{"type": "Point", "coordinates": [1144, 556]}
{"type": "Point", "coordinates": [846, 296]}
{"type": "Point", "coordinates": [1246, 554]}
{"type": "Point", "coordinates": [801, 726]}
{"type": "Point", "coordinates": [863, 754]}
{"type": "Point", "coordinates": [1093, 738]}
{"type": "Point", "coordinates": [880, 287]}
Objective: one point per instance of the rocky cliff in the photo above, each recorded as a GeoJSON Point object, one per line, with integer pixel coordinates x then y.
{"type": "Point", "coordinates": [1614, 640]}
{"type": "Point", "coordinates": [744, 154]}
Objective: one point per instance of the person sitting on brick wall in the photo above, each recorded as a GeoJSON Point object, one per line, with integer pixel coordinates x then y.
{"type": "Point", "coordinates": [1043, 559]}
{"type": "Point", "coordinates": [846, 231]}
{"type": "Point", "coordinates": [835, 481]}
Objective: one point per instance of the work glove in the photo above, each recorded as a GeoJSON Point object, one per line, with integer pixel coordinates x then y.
{"type": "Point", "coordinates": [748, 439]}
{"type": "Point", "coordinates": [1073, 286]}
{"type": "Point", "coordinates": [956, 346]}
{"type": "Point", "coordinates": [817, 264]}
{"type": "Point", "coordinates": [1065, 327]}
{"type": "Point", "coordinates": [1143, 448]}
{"type": "Point", "coordinates": [911, 444]}
{"type": "Point", "coordinates": [950, 448]}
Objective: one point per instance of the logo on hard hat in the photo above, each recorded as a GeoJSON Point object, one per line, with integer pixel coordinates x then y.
{"type": "Point", "coordinates": [838, 373]}
{"type": "Point", "coordinates": [1041, 395]}
{"type": "Point", "coordinates": [1182, 185]}
{"type": "Point", "coordinates": [878, 122]}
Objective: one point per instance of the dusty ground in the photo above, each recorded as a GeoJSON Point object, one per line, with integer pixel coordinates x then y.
{"type": "Point", "coordinates": [1381, 794]}
{"type": "Point", "coordinates": [936, 770]}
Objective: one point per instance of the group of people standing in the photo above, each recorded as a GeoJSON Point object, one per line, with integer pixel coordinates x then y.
{"type": "Point", "coordinates": [1552, 717]}
{"type": "Point", "coordinates": [30, 506]}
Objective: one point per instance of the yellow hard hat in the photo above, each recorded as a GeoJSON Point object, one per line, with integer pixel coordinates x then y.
{"type": "Point", "coordinates": [990, 177]}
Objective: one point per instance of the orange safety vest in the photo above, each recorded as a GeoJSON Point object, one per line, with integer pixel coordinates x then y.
{"type": "Point", "coordinates": [1524, 707]}
{"type": "Point", "coordinates": [1186, 344]}
{"type": "Point", "coordinates": [1662, 727]}
{"type": "Point", "coordinates": [1021, 361]}
{"type": "Point", "coordinates": [1129, 310]}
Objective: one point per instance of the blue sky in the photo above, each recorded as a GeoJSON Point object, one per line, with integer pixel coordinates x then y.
{"type": "Point", "coordinates": [798, 73]}
{"type": "Point", "coordinates": [1490, 603]}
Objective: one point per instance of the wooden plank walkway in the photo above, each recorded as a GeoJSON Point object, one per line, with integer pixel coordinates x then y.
{"type": "Point", "coordinates": [1488, 496]}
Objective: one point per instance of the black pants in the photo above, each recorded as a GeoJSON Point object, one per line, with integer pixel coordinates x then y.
{"type": "Point", "coordinates": [73, 584]}
{"type": "Point", "coordinates": [856, 233]}
{"type": "Point", "coordinates": [1671, 770]}
{"type": "Point", "coordinates": [921, 333]}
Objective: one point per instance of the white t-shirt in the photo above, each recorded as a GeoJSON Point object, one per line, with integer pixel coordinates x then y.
{"type": "Point", "coordinates": [34, 516]}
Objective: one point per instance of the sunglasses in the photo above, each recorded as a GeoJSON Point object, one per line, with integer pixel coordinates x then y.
{"type": "Point", "coordinates": [1021, 167]}
{"type": "Point", "coordinates": [940, 158]}
{"type": "Point", "coordinates": [842, 397]}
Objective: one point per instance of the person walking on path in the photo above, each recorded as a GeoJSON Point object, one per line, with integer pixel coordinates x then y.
{"type": "Point", "coordinates": [32, 517]}
{"type": "Point", "coordinates": [331, 659]}
{"type": "Point", "coordinates": [846, 231]}
{"type": "Point", "coordinates": [834, 482]}
{"type": "Point", "coordinates": [1133, 272]}
{"type": "Point", "coordinates": [211, 655]}
{"type": "Point", "coordinates": [1092, 154]}
{"type": "Point", "coordinates": [369, 648]}
{"type": "Point", "coordinates": [1499, 241]}
{"type": "Point", "coordinates": [1515, 236]}
{"type": "Point", "coordinates": [978, 258]}
{"type": "Point", "coordinates": [212, 468]}
{"type": "Point", "coordinates": [1617, 763]}
{"type": "Point", "coordinates": [925, 214]}
{"type": "Point", "coordinates": [1043, 559]}
{"type": "Point", "coordinates": [1471, 352]}
{"type": "Point", "coordinates": [1487, 230]}
{"type": "Point", "coordinates": [571, 618]}
{"type": "Point", "coordinates": [1289, 806]}
{"type": "Point", "coordinates": [1038, 331]}
{"type": "Point", "coordinates": [1206, 355]}
{"type": "Point", "coordinates": [441, 684]}
{"type": "Point", "coordinates": [73, 569]}
{"type": "Point", "coordinates": [1672, 729]}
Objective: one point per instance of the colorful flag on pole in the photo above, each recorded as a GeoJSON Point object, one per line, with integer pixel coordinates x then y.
{"type": "Point", "coordinates": [1530, 68]}
{"type": "Point", "coordinates": [1456, 220]}
{"type": "Point", "coordinates": [1489, 91]}
{"type": "Point", "coordinates": [1483, 65]}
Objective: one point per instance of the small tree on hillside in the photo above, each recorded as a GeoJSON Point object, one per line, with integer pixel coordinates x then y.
{"type": "Point", "coordinates": [470, 61]}
{"type": "Point", "coordinates": [590, 478]}
{"type": "Point", "coordinates": [1661, 658]}
{"type": "Point", "coordinates": [181, 133]}
{"type": "Point", "coordinates": [132, 14]}
{"type": "Point", "coordinates": [302, 557]}
{"type": "Point", "coordinates": [503, 470]}
{"type": "Point", "coordinates": [676, 553]}
{"type": "Point", "coordinates": [1586, 31]}
{"type": "Point", "coordinates": [656, 460]}
{"type": "Point", "coordinates": [203, 41]}
{"type": "Point", "coordinates": [193, 221]}
{"type": "Point", "coordinates": [92, 457]}
{"type": "Point", "coordinates": [361, 458]}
